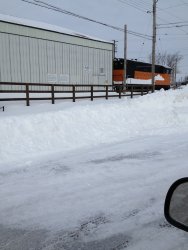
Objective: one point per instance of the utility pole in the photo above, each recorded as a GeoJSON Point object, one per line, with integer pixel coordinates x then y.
{"type": "Point", "coordinates": [176, 66]}
{"type": "Point", "coordinates": [154, 44]}
{"type": "Point", "coordinates": [175, 71]}
{"type": "Point", "coordinates": [115, 48]}
{"type": "Point", "coordinates": [125, 55]}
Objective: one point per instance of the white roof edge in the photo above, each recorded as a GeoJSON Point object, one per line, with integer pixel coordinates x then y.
{"type": "Point", "coordinates": [47, 26]}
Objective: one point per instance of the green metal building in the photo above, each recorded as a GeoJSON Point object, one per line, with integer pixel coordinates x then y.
{"type": "Point", "coordinates": [33, 52]}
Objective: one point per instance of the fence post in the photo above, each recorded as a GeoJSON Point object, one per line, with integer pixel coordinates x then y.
{"type": "Point", "coordinates": [73, 93]}
{"type": "Point", "coordinates": [27, 94]}
{"type": "Point", "coordinates": [52, 90]}
{"type": "Point", "coordinates": [131, 91]}
{"type": "Point", "coordinates": [107, 92]}
{"type": "Point", "coordinates": [91, 92]}
{"type": "Point", "coordinates": [3, 108]}
{"type": "Point", "coordinates": [141, 90]}
{"type": "Point", "coordinates": [119, 93]}
{"type": "Point", "coordinates": [147, 89]}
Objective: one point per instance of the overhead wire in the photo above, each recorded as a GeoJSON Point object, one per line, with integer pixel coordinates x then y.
{"type": "Point", "coordinates": [173, 23]}
{"type": "Point", "coordinates": [172, 26]}
{"type": "Point", "coordinates": [143, 6]}
{"type": "Point", "coordinates": [54, 8]}
{"type": "Point", "coordinates": [185, 33]}
{"type": "Point", "coordinates": [137, 5]}
{"type": "Point", "coordinates": [169, 13]}
{"type": "Point", "coordinates": [143, 42]}
{"type": "Point", "coordinates": [140, 3]}
{"type": "Point", "coordinates": [173, 6]}
{"type": "Point", "coordinates": [184, 2]}
{"type": "Point", "coordinates": [173, 15]}
{"type": "Point", "coordinates": [131, 5]}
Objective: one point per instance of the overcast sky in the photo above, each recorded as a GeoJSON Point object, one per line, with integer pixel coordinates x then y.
{"type": "Point", "coordinates": [135, 13]}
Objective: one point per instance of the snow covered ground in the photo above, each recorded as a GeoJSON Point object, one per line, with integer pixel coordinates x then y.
{"type": "Point", "coordinates": [92, 175]}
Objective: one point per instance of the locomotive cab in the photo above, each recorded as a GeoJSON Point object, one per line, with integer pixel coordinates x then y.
{"type": "Point", "coordinates": [141, 71]}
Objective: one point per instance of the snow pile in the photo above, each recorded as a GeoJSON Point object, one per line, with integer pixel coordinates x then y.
{"type": "Point", "coordinates": [99, 196]}
{"type": "Point", "coordinates": [69, 126]}
{"type": "Point", "coordinates": [159, 78]}
{"type": "Point", "coordinates": [142, 81]}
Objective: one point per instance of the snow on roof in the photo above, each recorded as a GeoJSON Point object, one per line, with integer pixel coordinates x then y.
{"type": "Point", "coordinates": [46, 26]}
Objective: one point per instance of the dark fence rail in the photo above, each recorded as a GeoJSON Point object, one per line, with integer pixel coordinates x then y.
{"type": "Point", "coordinates": [93, 91]}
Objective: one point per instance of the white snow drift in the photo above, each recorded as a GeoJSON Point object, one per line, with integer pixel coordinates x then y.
{"type": "Point", "coordinates": [92, 175]}
{"type": "Point", "coordinates": [27, 131]}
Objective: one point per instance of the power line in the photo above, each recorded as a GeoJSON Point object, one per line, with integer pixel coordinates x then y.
{"type": "Point", "coordinates": [134, 5]}
{"type": "Point", "coordinates": [173, 15]}
{"type": "Point", "coordinates": [177, 36]}
{"type": "Point", "coordinates": [173, 6]}
{"type": "Point", "coordinates": [143, 42]}
{"type": "Point", "coordinates": [139, 3]}
{"type": "Point", "coordinates": [182, 30]}
{"type": "Point", "coordinates": [172, 26]}
{"type": "Point", "coordinates": [161, 24]}
{"type": "Point", "coordinates": [170, 13]}
{"type": "Point", "coordinates": [54, 8]}
{"type": "Point", "coordinates": [142, 6]}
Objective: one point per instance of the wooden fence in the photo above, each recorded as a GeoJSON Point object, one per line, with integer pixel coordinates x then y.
{"type": "Point", "coordinates": [74, 91]}
{"type": "Point", "coordinates": [3, 108]}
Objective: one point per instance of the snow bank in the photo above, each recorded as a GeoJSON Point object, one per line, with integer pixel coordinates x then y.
{"type": "Point", "coordinates": [30, 131]}
{"type": "Point", "coordinates": [97, 197]}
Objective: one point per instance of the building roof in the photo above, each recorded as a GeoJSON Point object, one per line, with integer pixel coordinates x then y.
{"type": "Point", "coordinates": [121, 60]}
{"type": "Point", "coordinates": [46, 26]}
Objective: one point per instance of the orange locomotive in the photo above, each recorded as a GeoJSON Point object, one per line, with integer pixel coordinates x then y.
{"type": "Point", "coordinates": [142, 71]}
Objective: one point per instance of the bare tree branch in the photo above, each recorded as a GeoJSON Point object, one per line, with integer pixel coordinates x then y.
{"type": "Point", "coordinates": [170, 60]}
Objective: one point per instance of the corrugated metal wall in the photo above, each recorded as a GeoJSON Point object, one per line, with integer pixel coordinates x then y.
{"type": "Point", "coordinates": [36, 60]}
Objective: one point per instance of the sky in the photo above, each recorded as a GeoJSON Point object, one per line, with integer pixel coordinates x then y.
{"type": "Point", "coordinates": [136, 14]}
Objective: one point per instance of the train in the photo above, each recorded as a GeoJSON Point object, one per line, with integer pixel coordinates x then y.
{"type": "Point", "coordinates": [137, 70]}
